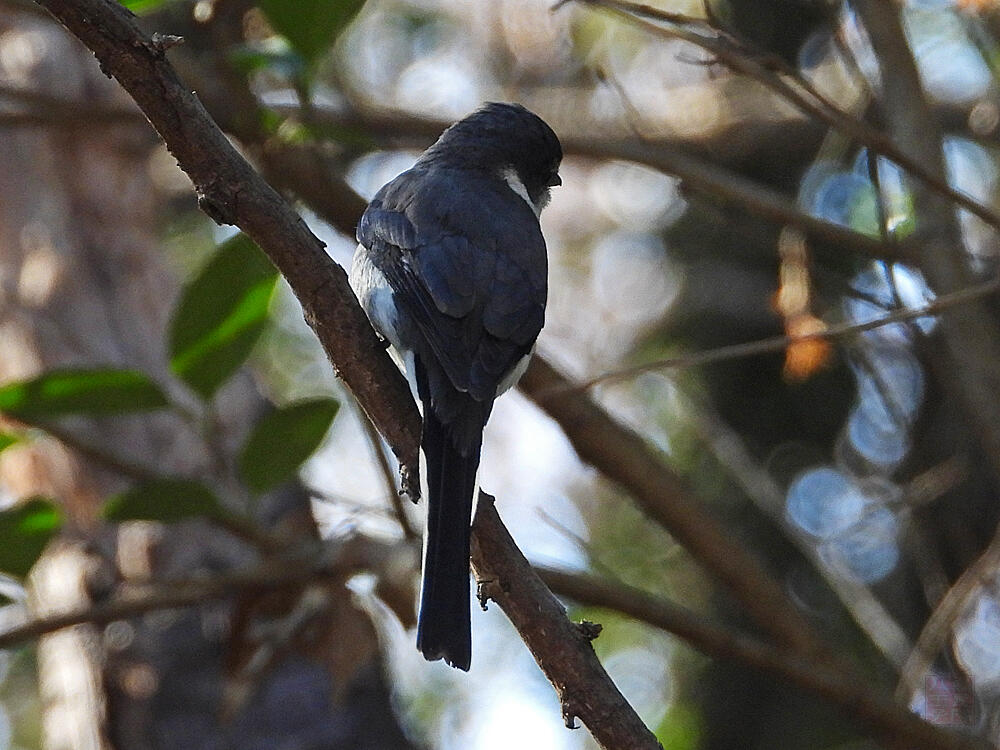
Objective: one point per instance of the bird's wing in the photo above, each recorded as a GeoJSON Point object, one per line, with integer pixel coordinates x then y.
{"type": "Point", "coordinates": [469, 269]}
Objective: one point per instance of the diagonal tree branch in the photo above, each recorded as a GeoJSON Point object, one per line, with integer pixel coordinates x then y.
{"type": "Point", "coordinates": [230, 191]}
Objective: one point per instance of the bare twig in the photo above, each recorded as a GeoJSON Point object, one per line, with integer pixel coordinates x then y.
{"type": "Point", "coordinates": [780, 343]}
{"type": "Point", "coordinates": [57, 110]}
{"type": "Point", "coordinates": [330, 561]}
{"type": "Point", "coordinates": [173, 595]}
{"type": "Point", "coordinates": [388, 477]}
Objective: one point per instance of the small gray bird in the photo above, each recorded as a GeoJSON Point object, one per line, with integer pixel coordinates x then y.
{"type": "Point", "coordinates": [451, 269]}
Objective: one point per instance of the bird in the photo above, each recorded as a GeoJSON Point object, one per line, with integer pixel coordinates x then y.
{"type": "Point", "coordinates": [451, 269]}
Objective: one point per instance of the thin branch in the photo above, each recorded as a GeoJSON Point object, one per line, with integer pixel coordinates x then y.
{"type": "Point", "coordinates": [780, 343]}
{"type": "Point", "coordinates": [859, 600]}
{"type": "Point", "coordinates": [387, 475]}
{"type": "Point", "coordinates": [941, 623]}
{"type": "Point", "coordinates": [175, 595]}
{"type": "Point", "coordinates": [855, 698]}
{"type": "Point", "coordinates": [328, 561]}
{"type": "Point", "coordinates": [58, 110]}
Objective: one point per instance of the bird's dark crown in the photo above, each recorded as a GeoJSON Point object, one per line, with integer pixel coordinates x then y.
{"type": "Point", "coordinates": [499, 136]}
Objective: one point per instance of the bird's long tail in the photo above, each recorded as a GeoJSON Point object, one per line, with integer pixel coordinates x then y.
{"type": "Point", "coordinates": [444, 628]}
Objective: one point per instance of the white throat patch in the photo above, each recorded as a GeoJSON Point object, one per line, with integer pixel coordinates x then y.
{"type": "Point", "coordinates": [510, 176]}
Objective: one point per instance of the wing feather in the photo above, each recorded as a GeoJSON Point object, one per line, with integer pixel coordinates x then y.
{"type": "Point", "coordinates": [469, 270]}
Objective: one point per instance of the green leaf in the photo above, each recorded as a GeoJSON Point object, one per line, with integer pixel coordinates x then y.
{"type": "Point", "coordinates": [141, 6]}
{"type": "Point", "coordinates": [25, 529]}
{"type": "Point", "coordinates": [80, 391]}
{"type": "Point", "coordinates": [310, 25]}
{"type": "Point", "coordinates": [164, 499]}
{"type": "Point", "coordinates": [274, 55]}
{"type": "Point", "coordinates": [221, 314]}
{"type": "Point", "coordinates": [681, 728]}
{"type": "Point", "coordinates": [8, 439]}
{"type": "Point", "coordinates": [282, 440]}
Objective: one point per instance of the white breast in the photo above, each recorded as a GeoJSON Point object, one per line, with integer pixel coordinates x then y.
{"type": "Point", "coordinates": [375, 295]}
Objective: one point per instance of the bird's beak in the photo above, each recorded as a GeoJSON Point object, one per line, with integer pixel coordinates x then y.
{"type": "Point", "coordinates": [554, 181]}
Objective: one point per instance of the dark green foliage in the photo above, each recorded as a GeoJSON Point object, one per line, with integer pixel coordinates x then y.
{"type": "Point", "coordinates": [220, 316]}
{"type": "Point", "coordinates": [25, 529]}
{"type": "Point", "coordinates": [8, 439]}
{"type": "Point", "coordinates": [282, 440]}
{"type": "Point", "coordinates": [98, 391]}
{"type": "Point", "coordinates": [310, 25]}
{"type": "Point", "coordinates": [142, 6]}
{"type": "Point", "coordinates": [164, 499]}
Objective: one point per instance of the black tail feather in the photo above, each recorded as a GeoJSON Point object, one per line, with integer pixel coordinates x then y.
{"type": "Point", "coordinates": [444, 628]}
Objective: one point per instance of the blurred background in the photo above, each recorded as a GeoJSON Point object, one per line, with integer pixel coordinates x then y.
{"type": "Point", "coordinates": [735, 172]}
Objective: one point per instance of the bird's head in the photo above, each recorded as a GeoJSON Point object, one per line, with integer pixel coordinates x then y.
{"type": "Point", "coordinates": [508, 141]}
